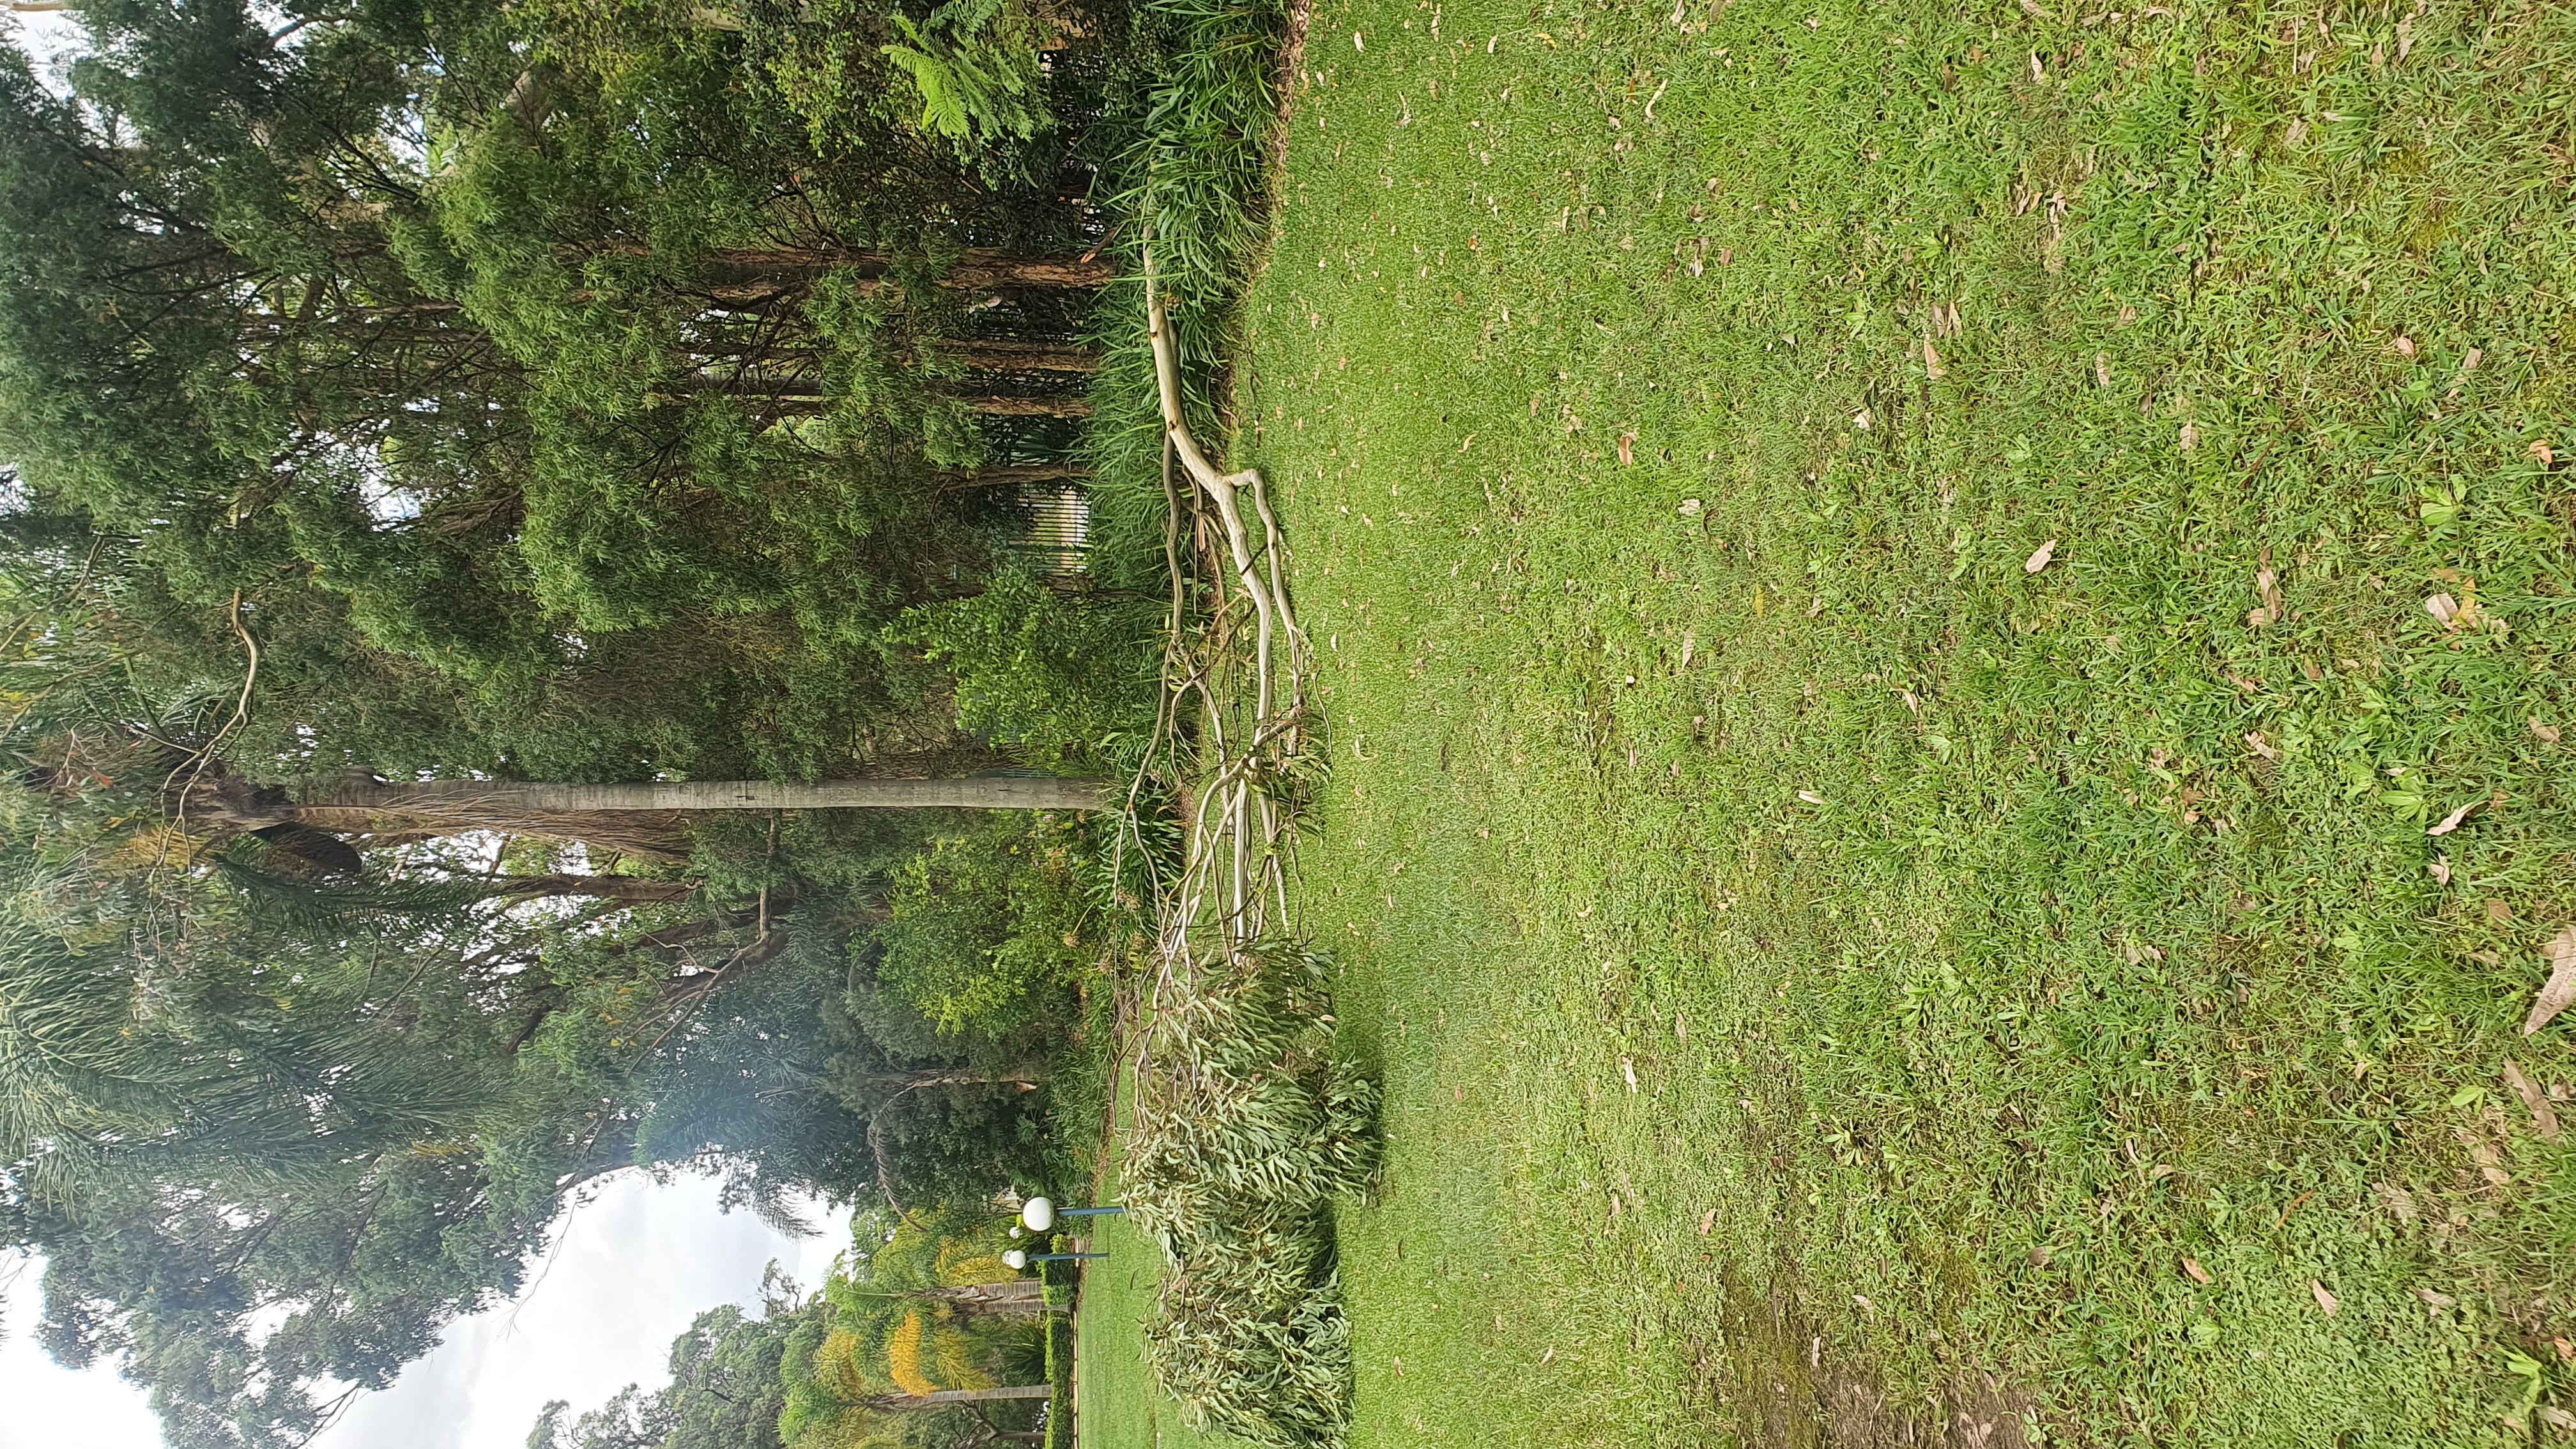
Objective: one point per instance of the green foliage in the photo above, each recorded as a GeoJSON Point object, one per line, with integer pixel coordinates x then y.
{"type": "Point", "coordinates": [729, 1384]}
{"type": "Point", "coordinates": [1246, 1128]}
{"type": "Point", "coordinates": [987, 928]}
{"type": "Point", "coordinates": [1067, 681]}
{"type": "Point", "coordinates": [893, 1328]}
{"type": "Point", "coordinates": [974, 66]}
{"type": "Point", "coordinates": [459, 390]}
{"type": "Point", "coordinates": [969, 73]}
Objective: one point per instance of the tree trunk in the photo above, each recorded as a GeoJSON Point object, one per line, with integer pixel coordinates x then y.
{"type": "Point", "coordinates": [1004, 355]}
{"type": "Point", "coordinates": [801, 401]}
{"type": "Point", "coordinates": [956, 479]}
{"type": "Point", "coordinates": [627, 888]}
{"type": "Point", "coordinates": [1026, 1076]}
{"type": "Point", "coordinates": [1016, 1297]}
{"type": "Point", "coordinates": [977, 268]}
{"type": "Point", "coordinates": [945, 1398]}
{"type": "Point", "coordinates": [1030, 407]}
{"type": "Point", "coordinates": [503, 800]}
{"type": "Point", "coordinates": [651, 819]}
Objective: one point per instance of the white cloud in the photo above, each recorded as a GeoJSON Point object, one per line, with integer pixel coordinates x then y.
{"type": "Point", "coordinates": [49, 1405]}
{"type": "Point", "coordinates": [627, 1271]}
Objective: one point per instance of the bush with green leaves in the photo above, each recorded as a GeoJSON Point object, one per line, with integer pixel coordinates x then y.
{"type": "Point", "coordinates": [1065, 682]}
{"type": "Point", "coordinates": [987, 928]}
{"type": "Point", "coordinates": [1246, 1128]}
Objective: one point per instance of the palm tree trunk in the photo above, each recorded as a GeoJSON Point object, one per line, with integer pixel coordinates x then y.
{"type": "Point", "coordinates": [503, 800]}
{"type": "Point", "coordinates": [944, 1398]}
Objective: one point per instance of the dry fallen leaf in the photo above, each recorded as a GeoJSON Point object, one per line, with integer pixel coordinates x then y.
{"type": "Point", "coordinates": [1811, 797]}
{"type": "Point", "coordinates": [2267, 588]}
{"type": "Point", "coordinates": [1707, 1221]}
{"type": "Point", "coordinates": [2560, 953]}
{"type": "Point", "coordinates": [2199, 1274]}
{"type": "Point", "coordinates": [1932, 367]}
{"type": "Point", "coordinates": [1691, 507]}
{"type": "Point", "coordinates": [1627, 448]}
{"type": "Point", "coordinates": [2254, 741]}
{"type": "Point", "coordinates": [2439, 868]}
{"type": "Point", "coordinates": [2189, 437]}
{"type": "Point", "coordinates": [2102, 369]}
{"type": "Point", "coordinates": [2542, 453]}
{"type": "Point", "coordinates": [2401, 1203]}
{"type": "Point", "coordinates": [2325, 1300]}
{"type": "Point", "coordinates": [2405, 345]}
{"type": "Point", "coordinates": [2499, 912]}
{"type": "Point", "coordinates": [2543, 1116]}
{"type": "Point", "coordinates": [1689, 643]}
{"type": "Point", "coordinates": [2443, 608]}
{"type": "Point", "coordinates": [2452, 821]}
{"type": "Point", "coordinates": [2436, 1300]}
{"type": "Point", "coordinates": [1628, 1069]}
{"type": "Point", "coordinates": [2548, 733]}
{"type": "Point", "coordinates": [2470, 363]}
{"type": "Point", "coordinates": [2039, 557]}
{"type": "Point", "coordinates": [2558, 1419]}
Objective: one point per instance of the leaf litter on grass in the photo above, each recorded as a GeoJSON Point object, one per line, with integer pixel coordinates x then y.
{"type": "Point", "coordinates": [1928, 1025]}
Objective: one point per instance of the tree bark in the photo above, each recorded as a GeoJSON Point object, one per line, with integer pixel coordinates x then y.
{"type": "Point", "coordinates": [945, 1398]}
{"type": "Point", "coordinates": [1030, 407]}
{"type": "Point", "coordinates": [797, 397]}
{"type": "Point", "coordinates": [977, 268]}
{"type": "Point", "coordinates": [957, 479]}
{"type": "Point", "coordinates": [1004, 355]}
{"type": "Point", "coordinates": [633, 889]}
{"type": "Point", "coordinates": [505, 800]}
{"type": "Point", "coordinates": [1013, 1298]}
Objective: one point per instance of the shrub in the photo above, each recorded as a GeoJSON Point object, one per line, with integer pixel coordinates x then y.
{"type": "Point", "coordinates": [986, 927]}
{"type": "Point", "coordinates": [1062, 681]}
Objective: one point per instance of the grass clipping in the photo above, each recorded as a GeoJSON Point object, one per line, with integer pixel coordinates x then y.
{"type": "Point", "coordinates": [1245, 1129]}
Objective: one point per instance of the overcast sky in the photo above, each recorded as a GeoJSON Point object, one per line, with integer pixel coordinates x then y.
{"type": "Point", "coordinates": [629, 1269]}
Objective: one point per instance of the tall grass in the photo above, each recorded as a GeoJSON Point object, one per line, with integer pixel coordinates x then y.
{"type": "Point", "coordinates": [1186, 171]}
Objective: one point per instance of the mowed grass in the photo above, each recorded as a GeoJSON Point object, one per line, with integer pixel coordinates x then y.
{"type": "Point", "coordinates": [1121, 1407]}
{"type": "Point", "coordinates": [1833, 957]}
{"type": "Point", "coordinates": [1120, 1404]}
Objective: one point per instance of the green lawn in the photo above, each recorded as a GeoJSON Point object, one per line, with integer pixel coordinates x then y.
{"type": "Point", "coordinates": [1833, 958]}
{"type": "Point", "coordinates": [1121, 1406]}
